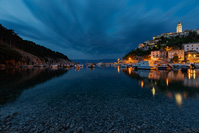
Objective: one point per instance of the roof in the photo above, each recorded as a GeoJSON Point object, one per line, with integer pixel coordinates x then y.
{"type": "Point", "coordinates": [191, 43]}
{"type": "Point", "coordinates": [179, 22]}
{"type": "Point", "coordinates": [176, 50]}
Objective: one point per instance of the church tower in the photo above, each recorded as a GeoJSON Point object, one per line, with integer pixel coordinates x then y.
{"type": "Point", "coordinates": [179, 27]}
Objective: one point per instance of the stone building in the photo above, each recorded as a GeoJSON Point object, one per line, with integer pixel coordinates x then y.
{"type": "Point", "coordinates": [179, 53]}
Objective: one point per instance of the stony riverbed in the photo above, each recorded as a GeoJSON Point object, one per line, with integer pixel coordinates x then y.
{"type": "Point", "coordinates": [97, 101]}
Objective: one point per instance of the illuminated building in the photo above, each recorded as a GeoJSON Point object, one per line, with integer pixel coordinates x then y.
{"type": "Point", "coordinates": [191, 47]}
{"type": "Point", "coordinates": [158, 54]}
{"type": "Point", "coordinates": [179, 27]}
{"type": "Point", "coordinates": [141, 45]}
{"type": "Point", "coordinates": [179, 53]}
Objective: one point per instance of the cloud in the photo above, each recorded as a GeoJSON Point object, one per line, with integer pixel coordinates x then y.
{"type": "Point", "coordinates": [95, 28]}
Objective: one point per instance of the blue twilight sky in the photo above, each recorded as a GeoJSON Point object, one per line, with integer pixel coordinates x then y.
{"type": "Point", "coordinates": [96, 29]}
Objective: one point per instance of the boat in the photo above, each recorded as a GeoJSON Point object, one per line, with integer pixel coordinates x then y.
{"type": "Point", "coordinates": [129, 65]}
{"type": "Point", "coordinates": [164, 67]}
{"type": "Point", "coordinates": [72, 65]}
{"type": "Point", "coordinates": [184, 70]}
{"type": "Point", "coordinates": [145, 65]}
{"type": "Point", "coordinates": [123, 65]}
{"type": "Point", "coordinates": [195, 65]}
{"type": "Point", "coordinates": [54, 66]}
{"type": "Point", "coordinates": [81, 65]}
{"type": "Point", "coordinates": [77, 67]}
{"type": "Point", "coordinates": [26, 66]}
{"type": "Point", "coordinates": [100, 64]}
{"type": "Point", "coordinates": [91, 66]}
{"type": "Point", "coordinates": [38, 65]}
{"type": "Point", "coordinates": [179, 66]}
{"type": "Point", "coordinates": [66, 66]}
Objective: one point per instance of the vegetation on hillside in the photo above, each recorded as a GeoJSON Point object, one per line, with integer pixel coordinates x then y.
{"type": "Point", "coordinates": [6, 53]}
{"type": "Point", "coordinates": [175, 43]}
{"type": "Point", "coordinates": [137, 52]}
{"type": "Point", "coordinates": [9, 37]}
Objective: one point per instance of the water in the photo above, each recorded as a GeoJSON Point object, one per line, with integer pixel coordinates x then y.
{"type": "Point", "coordinates": [108, 99]}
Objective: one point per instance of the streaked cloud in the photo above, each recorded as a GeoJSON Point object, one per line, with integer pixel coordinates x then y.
{"type": "Point", "coordinates": [96, 28]}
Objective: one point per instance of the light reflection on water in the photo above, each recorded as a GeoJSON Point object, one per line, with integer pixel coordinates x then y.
{"type": "Point", "coordinates": [173, 84]}
{"type": "Point", "coordinates": [153, 91]}
{"type": "Point", "coordinates": [178, 98]}
{"type": "Point", "coordinates": [103, 95]}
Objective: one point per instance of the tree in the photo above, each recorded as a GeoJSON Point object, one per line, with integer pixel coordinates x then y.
{"type": "Point", "coordinates": [175, 58]}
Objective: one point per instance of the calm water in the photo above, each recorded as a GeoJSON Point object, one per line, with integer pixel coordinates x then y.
{"type": "Point", "coordinates": [109, 99]}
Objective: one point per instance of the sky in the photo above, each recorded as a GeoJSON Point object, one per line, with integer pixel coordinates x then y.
{"type": "Point", "coordinates": [96, 29]}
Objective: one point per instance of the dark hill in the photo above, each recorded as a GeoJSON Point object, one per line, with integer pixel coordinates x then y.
{"type": "Point", "coordinates": [13, 47]}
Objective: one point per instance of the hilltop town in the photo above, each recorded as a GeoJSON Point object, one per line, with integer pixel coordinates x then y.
{"type": "Point", "coordinates": [180, 46]}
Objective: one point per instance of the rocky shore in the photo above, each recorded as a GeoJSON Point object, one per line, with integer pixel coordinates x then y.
{"type": "Point", "coordinates": [8, 125]}
{"type": "Point", "coordinates": [92, 119]}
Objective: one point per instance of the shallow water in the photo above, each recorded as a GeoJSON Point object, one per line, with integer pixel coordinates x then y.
{"type": "Point", "coordinates": [109, 99]}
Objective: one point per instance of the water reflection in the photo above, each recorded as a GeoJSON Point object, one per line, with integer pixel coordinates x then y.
{"type": "Point", "coordinates": [14, 81]}
{"type": "Point", "coordinates": [178, 98]}
{"type": "Point", "coordinates": [174, 84]}
{"type": "Point", "coordinates": [118, 69]}
{"type": "Point", "coordinates": [153, 91]}
{"type": "Point", "coordinates": [142, 83]}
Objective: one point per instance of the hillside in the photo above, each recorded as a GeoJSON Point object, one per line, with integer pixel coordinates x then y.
{"type": "Point", "coordinates": [18, 51]}
{"type": "Point", "coordinates": [175, 43]}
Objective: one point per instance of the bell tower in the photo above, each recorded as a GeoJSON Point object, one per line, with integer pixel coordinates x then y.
{"type": "Point", "coordinates": [179, 27]}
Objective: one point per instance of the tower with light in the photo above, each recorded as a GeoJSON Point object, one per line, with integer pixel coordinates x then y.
{"type": "Point", "coordinates": [179, 27]}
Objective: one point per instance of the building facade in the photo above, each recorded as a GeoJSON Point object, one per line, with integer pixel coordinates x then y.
{"type": "Point", "coordinates": [141, 45]}
{"type": "Point", "coordinates": [158, 54]}
{"type": "Point", "coordinates": [179, 53]}
{"type": "Point", "coordinates": [147, 47]}
{"type": "Point", "coordinates": [191, 47]}
{"type": "Point", "coordinates": [179, 27]}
